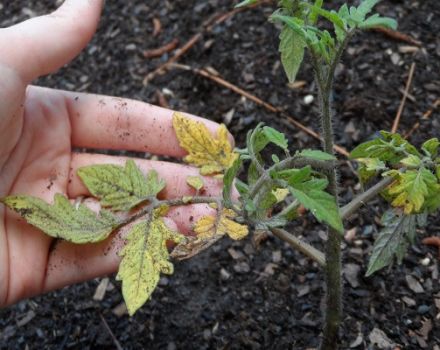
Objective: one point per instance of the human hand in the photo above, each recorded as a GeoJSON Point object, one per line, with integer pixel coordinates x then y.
{"type": "Point", "coordinates": [38, 129]}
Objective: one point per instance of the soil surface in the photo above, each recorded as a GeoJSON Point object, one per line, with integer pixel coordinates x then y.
{"type": "Point", "coordinates": [236, 296]}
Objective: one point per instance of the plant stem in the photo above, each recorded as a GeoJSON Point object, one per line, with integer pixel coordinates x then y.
{"type": "Point", "coordinates": [347, 210]}
{"type": "Point", "coordinates": [300, 245]}
{"type": "Point", "coordinates": [333, 268]}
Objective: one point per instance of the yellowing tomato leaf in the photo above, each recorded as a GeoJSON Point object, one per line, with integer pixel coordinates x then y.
{"type": "Point", "coordinates": [144, 258]}
{"type": "Point", "coordinates": [211, 155]}
{"type": "Point", "coordinates": [64, 220]}
{"type": "Point", "coordinates": [118, 187]}
{"type": "Point", "coordinates": [195, 182]}
{"type": "Point", "coordinates": [411, 189]}
{"type": "Point", "coordinates": [209, 226]}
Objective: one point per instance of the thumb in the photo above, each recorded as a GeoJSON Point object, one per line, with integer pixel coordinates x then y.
{"type": "Point", "coordinates": [43, 44]}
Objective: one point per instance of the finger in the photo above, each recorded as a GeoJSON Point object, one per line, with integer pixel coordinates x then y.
{"type": "Point", "coordinates": [43, 44]}
{"type": "Point", "coordinates": [173, 174]}
{"type": "Point", "coordinates": [105, 122]}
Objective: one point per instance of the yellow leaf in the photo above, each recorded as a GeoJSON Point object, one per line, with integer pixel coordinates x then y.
{"type": "Point", "coordinates": [211, 155]}
{"type": "Point", "coordinates": [195, 182]}
{"type": "Point", "coordinates": [206, 226]}
{"type": "Point", "coordinates": [143, 259]}
{"type": "Point", "coordinates": [280, 194]}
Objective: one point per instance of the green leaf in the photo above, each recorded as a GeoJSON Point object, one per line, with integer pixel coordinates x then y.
{"type": "Point", "coordinates": [390, 148]}
{"type": "Point", "coordinates": [377, 21]}
{"type": "Point", "coordinates": [411, 161]}
{"type": "Point", "coordinates": [431, 147]}
{"type": "Point", "coordinates": [391, 241]}
{"type": "Point", "coordinates": [313, 16]}
{"type": "Point", "coordinates": [293, 23]}
{"type": "Point", "coordinates": [275, 158]}
{"type": "Point", "coordinates": [144, 258]}
{"type": "Point", "coordinates": [195, 182]}
{"type": "Point", "coordinates": [292, 49]}
{"type": "Point", "coordinates": [294, 176]}
{"type": "Point", "coordinates": [228, 180]}
{"type": "Point", "coordinates": [275, 137]}
{"type": "Point", "coordinates": [63, 220]}
{"type": "Point", "coordinates": [120, 188]}
{"type": "Point", "coordinates": [246, 3]}
{"type": "Point", "coordinates": [253, 174]}
{"type": "Point", "coordinates": [437, 171]}
{"type": "Point", "coordinates": [333, 17]}
{"type": "Point", "coordinates": [242, 188]}
{"type": "Point", "coordinates": [365, 8]}
{"type": "Point", "coordinates": [398, 141]}
{"type": "Point", "coordinates": [322, 205]}
{"type": "Point", "coordinates": [372, 164]}
{"type": "Point", "coordinates": [316, 154]}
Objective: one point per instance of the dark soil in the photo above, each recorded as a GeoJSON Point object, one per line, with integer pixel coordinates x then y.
{"type": "Point", "coordinates": [234, 296]}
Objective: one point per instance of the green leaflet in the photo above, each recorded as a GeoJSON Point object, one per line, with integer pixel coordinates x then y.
{"type": "Point", "coordinates": [431, 147]}
{"type": "Point", "coordinates": [228, 180]}
{"type": "Point", "coordinates": [321, 204]}
{"type": "Point", "coordinates": [393, 240]}
{"type": "Point", "coordinates": [377, 21]}
{"type": "Point", "coordinates": [294, 176]}
{"type": "Point", "coordinates": [120, 188]}
{"type": "Point", "coordinates": [390, 148]}
{"type": "Point", "coordinates": [262, 136]}
{"type": "Point", "coordinates": [316, 154]}
{"type": "Point", "coordinates": [246, 3]}
{"type": "Point", "coordinates": [292, 49]}
{"type": "Point", "coordinates": [62, 220]}
{"type": "Point", "coordinates": [144, 258]}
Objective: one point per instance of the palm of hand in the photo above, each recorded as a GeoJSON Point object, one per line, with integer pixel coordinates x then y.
{"type": "Point", "coordinates": [38, 129]}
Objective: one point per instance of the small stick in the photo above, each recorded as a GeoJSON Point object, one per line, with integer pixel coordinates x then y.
{"type": "Point", "coordinates": [426, 115]}
{"type": "Point", "coordinates": [157, 27]}
{"type": "Point", "coordinates": [404, 97]}
{"type": "Point", "coordinates": [258, 101]}
{"type": "Point", "coordinates": [161, 50]}
{"type": "Point", "coordinates": [115, 341]}
{"type": "Point", "coordinates": [206, 27]}
{"type": "Point", "coordinates": [399, 36]}
{"type": "Point", "coordinates": [435, 241]}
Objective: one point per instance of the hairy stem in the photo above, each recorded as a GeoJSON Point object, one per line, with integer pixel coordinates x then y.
{"type": "Point", "coordinates": [347, 210]}
{"type": "Point", "coordinates": [300, 245]}
{"type": "Point", "coordinates": [333, 268]}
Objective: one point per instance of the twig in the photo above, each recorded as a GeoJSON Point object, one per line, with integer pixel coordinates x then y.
{"type": "Point", "coordinates": [300, 245]}
{"type": "Point", "coordinates": [425, 116]}
{"type": "Point", "coordinates": [404, 97]}
{"type": "Point", "coordinates": [347, 210]}
{"type": "Point", "coordinates": [399, 36]}
{"type": "Point", "coordinates": [161, 50]}
{"type": "Point", "coordinates": [287, 120]}
{"type": "Point", "coordinates": [434, 241]}
{"type": "Point", "coordinates": [115, 341]}
{"type": "Point", "coordinates": [207, 26]}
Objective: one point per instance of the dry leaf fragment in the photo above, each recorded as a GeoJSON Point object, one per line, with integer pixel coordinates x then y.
{"type": "Point", "coordinates": [211, 155]}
